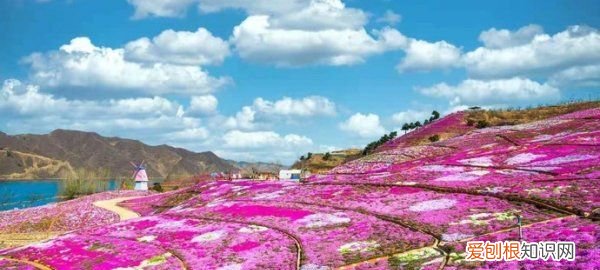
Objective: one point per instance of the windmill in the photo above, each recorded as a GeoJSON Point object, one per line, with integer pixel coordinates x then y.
{"type": "Point", "coordinates": [139, 176]}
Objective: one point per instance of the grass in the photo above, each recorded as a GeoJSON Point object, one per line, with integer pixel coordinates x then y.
{"type": "Point", "coordinates": [515, 116]}
{"type": "Point", "coordinates": [83, 182]}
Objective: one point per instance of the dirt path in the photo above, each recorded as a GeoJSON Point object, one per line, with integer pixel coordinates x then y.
{"type": "Point", "coordinates": [111, 205]}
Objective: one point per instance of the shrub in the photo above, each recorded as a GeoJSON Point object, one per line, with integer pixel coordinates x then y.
{"type": "Point", "coordinates": [482, 124]}
{"type": "Point", "coordinates": [327, 156]}
{"type": "Point", "coordinates": [83, 182]}
{"type": "Point", "coordinates": [470, 122]}
{"type": "Point", "coordinates": [434, 138]}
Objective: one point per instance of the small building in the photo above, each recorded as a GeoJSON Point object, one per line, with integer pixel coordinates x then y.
{"type": "Point", "coordinates": [265, 175]}
{"type": "Point", "coordinates": [293, 175]}
{"type": "Point", "coordinates": [140, 177]}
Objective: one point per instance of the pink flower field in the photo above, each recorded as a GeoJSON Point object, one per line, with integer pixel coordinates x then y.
{"type": "Point", "coordinates": [403, 207]}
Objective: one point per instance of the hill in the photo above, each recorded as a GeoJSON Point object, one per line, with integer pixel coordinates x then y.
{"type": "Point", "coordinates": [317, 163]}
{"type": "Point", "coordinates": [408, 207]}
{"type": "Point", "coordinates": [31, 156]}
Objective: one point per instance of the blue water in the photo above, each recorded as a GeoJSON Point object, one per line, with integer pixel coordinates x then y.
{"type": "Point", "coordinates": [26, 193]}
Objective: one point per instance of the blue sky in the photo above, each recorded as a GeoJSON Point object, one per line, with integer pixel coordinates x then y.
{"type": "Point", "coordinates": [270, 80]}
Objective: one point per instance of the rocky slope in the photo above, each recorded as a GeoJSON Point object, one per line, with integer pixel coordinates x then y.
{"type": "Point", "coordinates": [50, 155]}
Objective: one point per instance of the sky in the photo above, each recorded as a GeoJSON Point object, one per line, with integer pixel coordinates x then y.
{"type": "Point", "coordinates": [264, 80]}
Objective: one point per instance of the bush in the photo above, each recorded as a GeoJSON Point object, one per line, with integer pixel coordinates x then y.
{"type": "Point", "coordinates": [82, 182]}
{"type": "Point", "coordinates": [470, 122]}
{"type": "Point", "coordinates": [482, 124]}
{"type": "Point", "coordinates": [434, 138]}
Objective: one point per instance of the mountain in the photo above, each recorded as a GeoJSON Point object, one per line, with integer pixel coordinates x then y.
{"type": "Point", "coordinates": [50, 155]}
{"type": "Point", "coordinates": [248, 167]}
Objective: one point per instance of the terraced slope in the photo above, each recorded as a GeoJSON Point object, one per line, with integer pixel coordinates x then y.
{"type": "Point", "coordinates": [405, 207]}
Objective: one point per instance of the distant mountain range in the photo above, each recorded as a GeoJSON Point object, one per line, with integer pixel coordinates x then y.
{"type": "Point", "coordinates": [51, 155]}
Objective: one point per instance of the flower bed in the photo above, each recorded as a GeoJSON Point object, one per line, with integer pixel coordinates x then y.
{"type": "Point", "coordinates": [77, 251]}
{"type": "Point", "coordinates": [583, 233]}
{"type": "Point", "coordinates": [63, 216]}
{"type": "Point", "coordinates": [329, 237]}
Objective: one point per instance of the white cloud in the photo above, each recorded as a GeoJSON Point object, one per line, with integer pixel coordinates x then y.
{"type": "Point", "coordinates": [363, 125]}
{"type": "Point", "coordinates": [190, 134]}
{"type": "Point", "coordinates": [254, 6]}
{"type": "Point", "coordinates": [244, 119]}
{"type": "Point", "coordinates": [576, 46]}
{"type": "Point", "coordinates": [410, 116]}
{"type": "Point", "coordinates": [256, 39]}
{"type": "Point", "coordinates": [263, 139]}
{"type": "Point", "coordinates": [308, 106]}
{"type": "Point", "coordinates": [422, 56]}
{"type": "Point", "coordinates": [390, 17]}
{"type": "Point", "coordinates": [503, 38]}
{"type": "Point", "coordinates": [289, 108]}
{"type": "Point", "coordinates": [179, 47]}
{"type": "Point", "coordinates": [493, 91]}
{"type": "Point", "coordinates": [81, 63]}
{"type": "Point", "coordinates": [29, 110]}
{"type": "Point", "coordinates": [582, 76]}
{"type": "Point", "coordinates": [160, 8]}
{"type": "Point", "coordinates": [203, 105]}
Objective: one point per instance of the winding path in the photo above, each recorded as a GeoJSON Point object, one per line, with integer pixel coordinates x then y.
{"type": "Point", "coordinates": [112, 205]}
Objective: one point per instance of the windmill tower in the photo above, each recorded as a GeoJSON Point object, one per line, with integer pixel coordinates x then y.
{"type": "Point", "coordinates": [139, 176]}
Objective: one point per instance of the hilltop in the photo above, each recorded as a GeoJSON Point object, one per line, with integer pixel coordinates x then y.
{"type": "Point", "coordinates": [50, 155]}
{"type": "Point", "coordinates": [402, 207]}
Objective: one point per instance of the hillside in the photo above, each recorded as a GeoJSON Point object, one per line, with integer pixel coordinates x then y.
{"type": "Point", "coordinates": [316, 163]}
{"type": "Point", "coordinates": [408, 207]}
{"type": "Point", "coordinates": [46, 156]}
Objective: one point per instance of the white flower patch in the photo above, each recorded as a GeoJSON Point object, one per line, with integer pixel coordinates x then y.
{"type": "Point", "coordinates": [252, 229]}
{"type": "Point", "coordinates": [209, 236]}
{"type": "Point", "coordinates": [462, 177]}
{"type": "Point", "coordinates": [451, 237]}
{"type": "Point", "coordinates": [441, 168]}
{"type": "Point", "coordinates": [432, 205]}
{"type": "Point", "coordinates": [170, 225]}
{"type": "Point", "coordinates": [523, 158]}
{"type": "Point", "coordinates": [269, 196]}
{"type": "Point", "coordinates": [359, 246]}
{"type": "Point", "coordinates": [147, 238]}
{"type": "Point", "coordinates": [319, 220]}
{"type": "Point", "coordinates": [314, 267]}
{"type": "Point", "coordinates": [564, 159]}
{"type": "Point", "coordinates": [478, 161]}
{"type": "Point", "coordinates": [494, 190]}
{"type": "Point", "coordinates": [236, 266]}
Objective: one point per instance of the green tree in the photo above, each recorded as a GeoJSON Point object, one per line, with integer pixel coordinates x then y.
{"type": "Point", "coordinates": [327, 156]}
{"type": "Point", "coordinates": [405, 128]}
{"type": "Point", "coordinates": [417, 124]}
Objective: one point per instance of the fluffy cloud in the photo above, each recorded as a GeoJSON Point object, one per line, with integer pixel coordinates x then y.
{"type": "Point", "coordinates": [265, 110]}
{"type": "Point", "coordinates": [203, 105]}
{"type": "Point", "coordinates": [308, 106]}
{"type": "Point", "coordinates": [363, 125]}
{"type": "Point", "coordinates": [493, 91]}
{"type": "Point", "coordinates": [410, 116]}
{"type": "Point", "coordinates": [390, 17]}
{"type": "Point", "coordinates": [422, 55]}
{"type": "Point", "coordinates": [263, 139]}
{"type": "Point", "coordinates": [543, 54]}
{"type": "Point", "coordinates": [81, 63]}
{"type": "Point", "coordinates": [179, 47]}
{"type": "Point", "coordinates": [503, 38]}
{"type": "Point", "coordinates": [160, 8]}
{"type": "Point", "coordinates": [38, 111]}
{"type": "Point", "coordinates": [256, 39]}
{"type": "Point", "coordinates": [579, 76]}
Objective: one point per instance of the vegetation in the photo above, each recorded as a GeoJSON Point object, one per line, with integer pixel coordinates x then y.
{"type": "Point", "coordinates": [515, 116]}
{"type": "Point", "coordinates": [83, 182]}
{"type": "Point", "coordinates": [434, 138]}
{"type": "Point", "coordinates": [482, 124]}
{"type": "Point", "coordinates": [435, 115]}
{"type": "Point", "coordinates": [373, 145]}
{"type": "Point", "coordinates": [327, 156]}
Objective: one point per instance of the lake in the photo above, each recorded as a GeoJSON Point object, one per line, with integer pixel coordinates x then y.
{"type": "Point", "coordinates": [29, 193]}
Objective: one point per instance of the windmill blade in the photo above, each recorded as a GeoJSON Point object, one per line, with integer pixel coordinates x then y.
{"type": "Point", "coordinates": [133, 164]}
{"type": "Point", "coordinates": [142, 164]}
